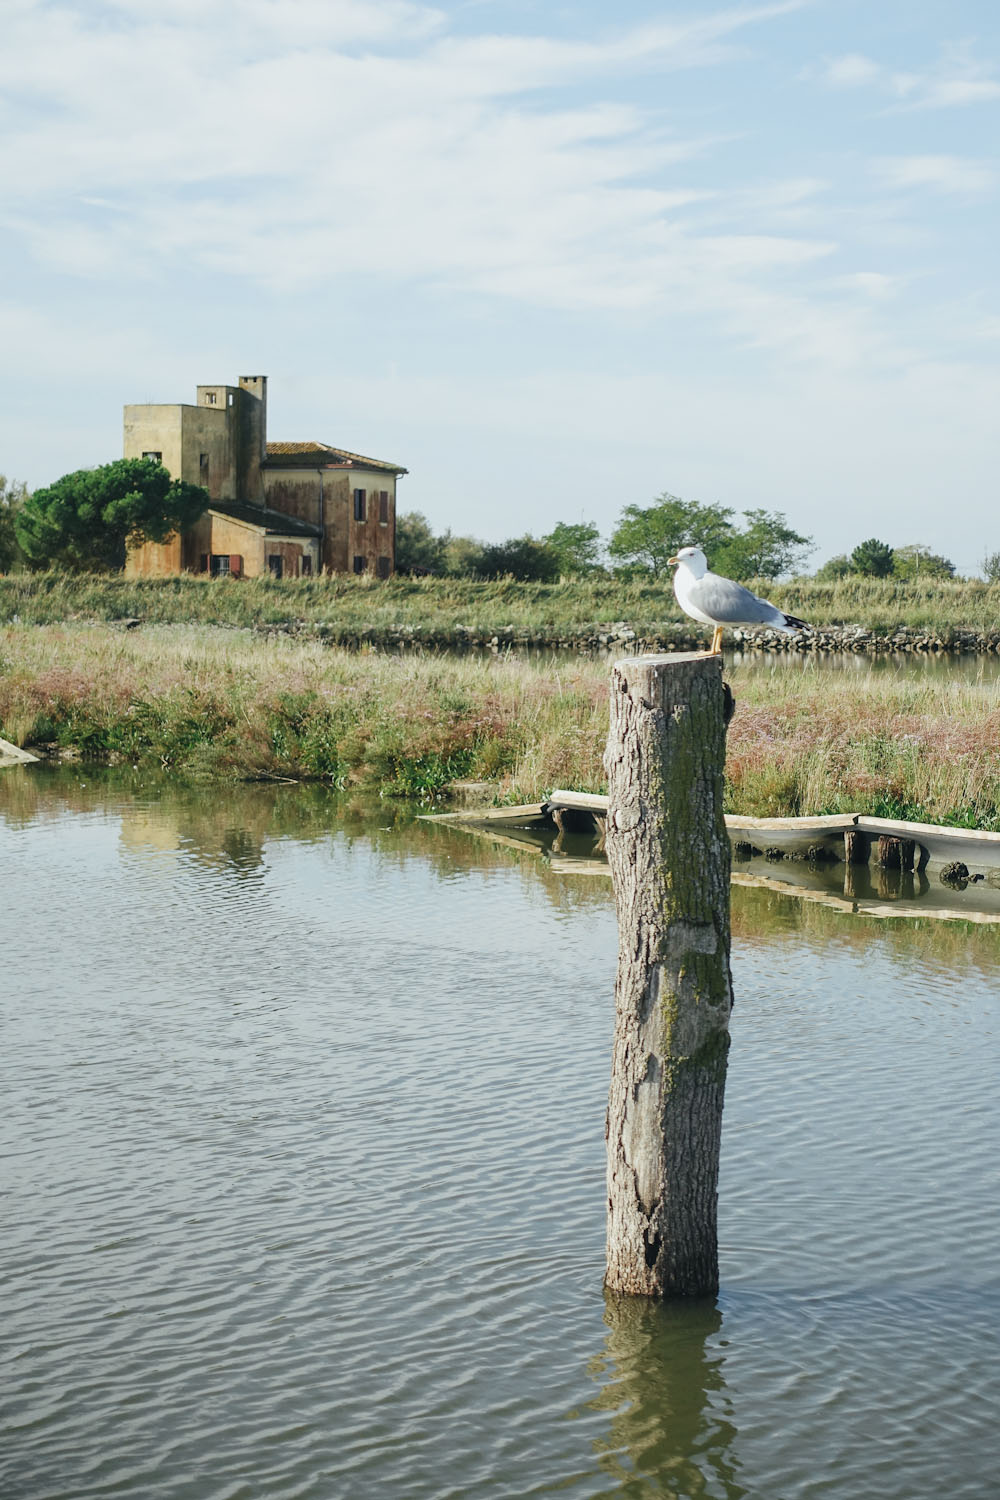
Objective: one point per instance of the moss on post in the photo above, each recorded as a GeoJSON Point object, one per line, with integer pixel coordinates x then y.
{"type": "Point", "coordinates": [669, 856]}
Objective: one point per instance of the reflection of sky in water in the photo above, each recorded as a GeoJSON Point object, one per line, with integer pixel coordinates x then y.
{"type": "Point", "coordinates": [304, 1123]}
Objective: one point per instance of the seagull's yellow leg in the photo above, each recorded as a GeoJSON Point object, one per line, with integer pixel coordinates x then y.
{"type": "Point", "coordinates": [716, 642]}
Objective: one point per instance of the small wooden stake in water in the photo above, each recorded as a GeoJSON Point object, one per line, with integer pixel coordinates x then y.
{"type": "Point", "coordinates": [669, 856]}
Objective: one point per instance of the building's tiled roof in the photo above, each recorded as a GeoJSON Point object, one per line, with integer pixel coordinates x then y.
{"type": "Point", "coordinates": [274, 522]}
{"type": "Point", "coordinates": [286, 455]}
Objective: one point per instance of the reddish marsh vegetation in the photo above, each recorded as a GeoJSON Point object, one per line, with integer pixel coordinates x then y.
{"type": "Point", "coordinates": [213, 702]}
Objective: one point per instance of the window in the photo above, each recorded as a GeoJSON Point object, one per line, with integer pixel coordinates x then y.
{"type": "Point", "coordinates": [274, 564]}
{"type": "Point", "coordinates": [382, 567]}
{"type": "Point", "coordinates": [307, 566]}
{"type": "Point", "coordinates": [359, 564]}
{"type": "Point", "coordinates": [203, 467]}
{"type": "Point", "coordinates": [156, 457]}
{"type": "Point", "coordinates": [360, 507]}
{"type": "Point", "coordinates": [383, 507]}
{"type": "Point", "coordinates": [210, 398]}
{"type": "Point", "coordinates": [220, 564]}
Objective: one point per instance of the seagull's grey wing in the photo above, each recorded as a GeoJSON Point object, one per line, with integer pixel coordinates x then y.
{"type": "Point", "coordinates": [729, 603]}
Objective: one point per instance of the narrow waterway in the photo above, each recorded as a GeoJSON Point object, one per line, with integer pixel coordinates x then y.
{"type": "Point", "coordinates": [302, 1127]}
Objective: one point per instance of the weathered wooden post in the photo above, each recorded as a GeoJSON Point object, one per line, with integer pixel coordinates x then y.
{"type": "Point", "coordinates": [669, 856]}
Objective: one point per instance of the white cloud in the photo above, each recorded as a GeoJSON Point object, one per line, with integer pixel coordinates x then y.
{"type": "Point", "coordinates": [292, 156]}
{"type": "Point", "coordinates": [851, 71]}
{"type": "Point", "coordinates": [872, 284]}
{"type": "Point", "coordinates": [957, 79]}
{"type": "Point", "coordinates": [944, 174]}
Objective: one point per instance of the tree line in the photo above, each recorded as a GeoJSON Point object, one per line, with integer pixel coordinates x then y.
{"type": "Point", "coordinates": [761, 545]}
{"type": "Point", "coordinates": [86, 520]}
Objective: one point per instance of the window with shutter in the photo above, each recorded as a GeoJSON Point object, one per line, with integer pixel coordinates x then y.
{"type": "Point", "coordinates": [360, 507]}
{"type": "Point", "coordinates": [383, 507]}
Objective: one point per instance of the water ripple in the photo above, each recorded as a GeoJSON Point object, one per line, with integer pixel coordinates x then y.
{"type": "Point", "coordinates": [304, 1189]}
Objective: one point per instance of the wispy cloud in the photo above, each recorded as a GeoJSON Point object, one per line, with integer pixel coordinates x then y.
{"type": "Point", "coordinates": [957, 79]}
{"type": "Point", "coordinates": [332, 138]}
{"type": "Point", "coordinates": [943, 174]}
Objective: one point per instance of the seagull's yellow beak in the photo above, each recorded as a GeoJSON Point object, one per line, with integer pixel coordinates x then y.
{"type": "Point", "coordinates": [671, 561]}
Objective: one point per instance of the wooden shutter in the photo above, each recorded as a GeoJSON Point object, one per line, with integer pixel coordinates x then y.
{"type": "Point", "coordinates": [235, 564]}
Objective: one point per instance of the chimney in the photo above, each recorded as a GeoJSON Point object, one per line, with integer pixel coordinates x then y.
{"type": "Point", "coordinates": [252, 437]}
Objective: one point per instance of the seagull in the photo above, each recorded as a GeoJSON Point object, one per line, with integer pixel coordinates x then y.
{"type": "Point", "coordinates": [719, 601]}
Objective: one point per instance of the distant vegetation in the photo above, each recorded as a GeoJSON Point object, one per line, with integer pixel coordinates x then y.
{"type": "Point", "coordinates": [764, 547]}
{"type": "Point", "coordinates": [451, 611]}
{"type": "Point", "coordinates": [641, 544]}
{"type": "Point", "coordinates": [12, 497]}
{"type": "Point", "coordinates": [215, 703]}
{"type": "Point", "coordinates": [83, 521]}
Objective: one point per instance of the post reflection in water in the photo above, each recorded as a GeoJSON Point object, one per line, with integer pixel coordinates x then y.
{"type": "Point", "coordinates": [670, 1432]}
{"type": "Point", "coordinates": [304, 1165]}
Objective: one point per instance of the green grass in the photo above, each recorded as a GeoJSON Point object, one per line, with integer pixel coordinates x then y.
{"type": "Point", "coordinates": [347, 610]}
{"type": "Point", "coordinates": [235, 704]}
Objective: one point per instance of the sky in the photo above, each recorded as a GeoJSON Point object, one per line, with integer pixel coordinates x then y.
{"type": "Point", "coordinates": [553, 259]}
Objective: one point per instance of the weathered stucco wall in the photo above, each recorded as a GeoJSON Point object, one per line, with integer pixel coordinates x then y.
{"type": "Point", "coordinates": [373, 538]}
{"type": "Point", "coordinates": [337, 510]}
{"type": "Point", "coordinates": [182, 435]}
{"type": "Point", "coordinates": [326, 496]}
{"type": "Point", "coordinates": [208, 432]}
{"type": "Point", "coordinates": [155, 429]}
{"type": "Point", "coordinates": [296, 492]}
{"type": "Point", "coordinates": [155, 559]}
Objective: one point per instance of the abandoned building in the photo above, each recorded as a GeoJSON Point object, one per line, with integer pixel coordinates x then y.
{"type": "Point", "coordinates": [288, 509]}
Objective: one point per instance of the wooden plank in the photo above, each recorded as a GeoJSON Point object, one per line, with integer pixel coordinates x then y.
{"type": "Point", "coordinates": [504, 817]}
{"type": "Point", "coordinates": [594, 802]}
{"type": "Point", "coordinates": [13, 755]}
{"type": "Point", "coordinates": [824, 823]}
{"type": "Point", "coordinates": [941, 845]}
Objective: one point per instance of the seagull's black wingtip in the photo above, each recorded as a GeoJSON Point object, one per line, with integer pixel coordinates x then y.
{"type": "Point", "coordinates": [796, 623]}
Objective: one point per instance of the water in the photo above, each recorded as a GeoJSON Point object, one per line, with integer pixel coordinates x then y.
{"type": "Point", "coordinates": [915, 666]}
{"type": "Point", "coordinates": [303, 1183]}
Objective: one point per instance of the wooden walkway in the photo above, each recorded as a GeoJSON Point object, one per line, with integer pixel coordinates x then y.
{"type": "Point", "coordinates": [851, 837]}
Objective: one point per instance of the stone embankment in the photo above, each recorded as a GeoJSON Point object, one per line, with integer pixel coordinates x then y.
{"type": "Point", "coordinates": [622, 635]}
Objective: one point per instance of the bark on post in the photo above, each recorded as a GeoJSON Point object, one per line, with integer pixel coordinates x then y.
{"type": "Point", "coordinates": [669, 856]}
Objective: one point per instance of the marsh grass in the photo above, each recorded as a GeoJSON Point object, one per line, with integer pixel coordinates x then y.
{"type": "Point", "coordinates": [347, 610]}
{"type": "Point", "coordinates": [225, 703]}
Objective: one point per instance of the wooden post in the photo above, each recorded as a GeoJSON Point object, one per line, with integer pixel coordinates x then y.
{"type": "Point", "coordinates": [669, 856]}
{"type": "Point", "coordinates": [895, 853]}
{"type": "Point", "coordinates": [857, 847]}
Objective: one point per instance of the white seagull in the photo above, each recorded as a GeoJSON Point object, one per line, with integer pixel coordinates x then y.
{"type": "Point", "coordinates": [719, 601]}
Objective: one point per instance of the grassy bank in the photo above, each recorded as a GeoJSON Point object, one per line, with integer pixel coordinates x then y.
{"type": "Point", "coordinates": [232, 704]}
{"type": "Point", "coordinates": [344, 609]}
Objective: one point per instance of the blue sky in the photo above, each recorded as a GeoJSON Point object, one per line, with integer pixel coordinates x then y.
{"type": "Point", "coordinates": [553, 261]}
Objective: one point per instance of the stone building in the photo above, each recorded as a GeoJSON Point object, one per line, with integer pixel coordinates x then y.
{"type": "Point", "coordinates": [289, 509]}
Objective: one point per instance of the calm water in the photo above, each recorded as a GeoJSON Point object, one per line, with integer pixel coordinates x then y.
{"type": "Point", "coordinates": [303, 1184]}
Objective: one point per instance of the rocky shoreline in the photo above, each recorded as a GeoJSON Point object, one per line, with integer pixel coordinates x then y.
{"type": "Point", "coordinates": [829, 639]}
